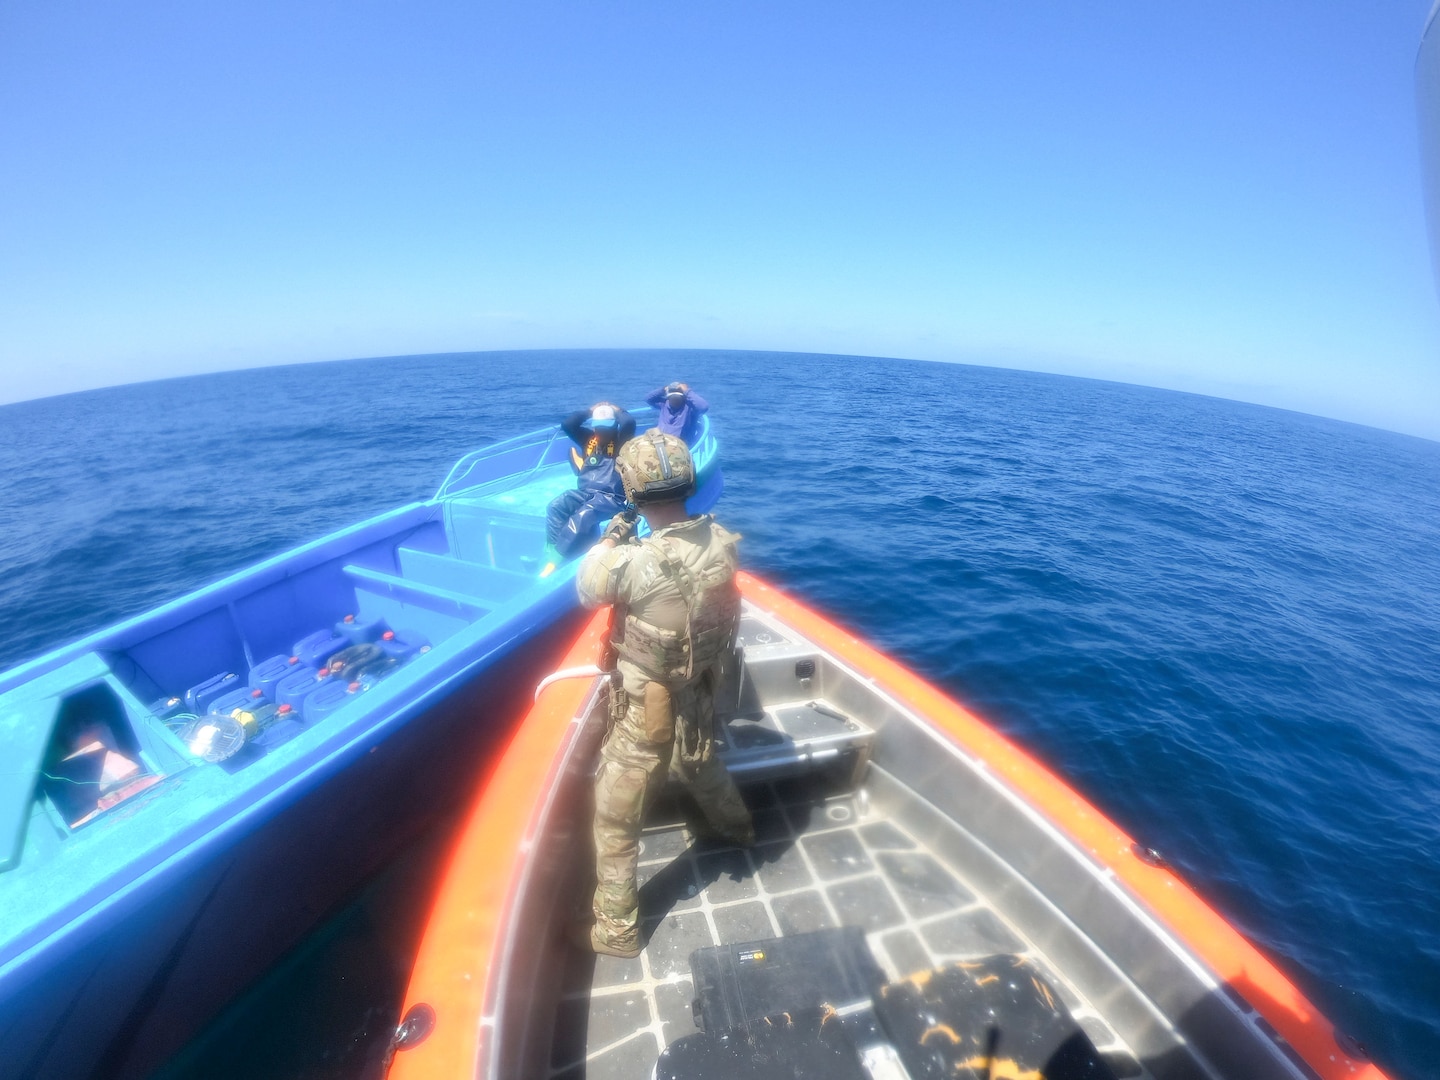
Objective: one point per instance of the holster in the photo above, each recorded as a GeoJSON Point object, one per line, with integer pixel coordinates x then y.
{"type": "Point", "coordinates": [619, 699]}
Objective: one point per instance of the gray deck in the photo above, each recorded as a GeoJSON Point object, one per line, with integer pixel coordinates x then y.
{"type": "Point", "coordinates": [820, 861]}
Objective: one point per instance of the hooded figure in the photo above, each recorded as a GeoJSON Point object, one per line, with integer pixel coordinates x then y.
{"type": "Point", "coordinates": [680, 410]}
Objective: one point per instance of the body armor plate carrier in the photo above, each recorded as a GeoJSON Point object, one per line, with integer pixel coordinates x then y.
{"type": "Point", "coordinates": [712, 603]}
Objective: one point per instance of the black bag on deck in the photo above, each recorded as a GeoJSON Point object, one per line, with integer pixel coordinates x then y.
{"type": "Point", "coordinates": [772, 1010]}
{"type": "Point", "coordinates": [738, 985]}
{"type": "Point", "coordinates": [808, 1045]}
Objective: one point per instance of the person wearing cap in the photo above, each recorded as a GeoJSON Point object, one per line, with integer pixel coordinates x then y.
{"type": "Point", "coordinates": [680, 410]}
{"type": "Point", "coordinates": [573, 518]}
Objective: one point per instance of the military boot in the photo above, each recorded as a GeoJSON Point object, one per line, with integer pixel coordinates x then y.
{"type": "Point", "coordinates": [587, 937]}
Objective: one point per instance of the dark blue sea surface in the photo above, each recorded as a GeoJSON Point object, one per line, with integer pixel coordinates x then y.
{"type": "Point", "coordinates": [1221, 622]}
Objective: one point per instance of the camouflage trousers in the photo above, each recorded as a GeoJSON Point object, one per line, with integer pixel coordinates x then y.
{"type": "Point", "coordinates": [665, 729]}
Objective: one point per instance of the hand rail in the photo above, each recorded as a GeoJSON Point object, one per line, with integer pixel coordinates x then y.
{"type": "Point", "coordinates": [454, 482]}
{"type": "Point", "coordinates": [704, 453]}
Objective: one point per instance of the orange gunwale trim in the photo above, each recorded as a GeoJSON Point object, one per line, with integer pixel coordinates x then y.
{"type": "Point", "coordinates": [462, 936]}
{"type": "Point", "coordinates": [453, 968]}
{"type": "Point", "coordinates": [1178, 908]}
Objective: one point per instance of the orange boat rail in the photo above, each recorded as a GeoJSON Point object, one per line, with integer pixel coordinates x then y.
{"type": "Point", "coordinates": [462, 939]}
{"type": "Point", "coordinates": [1217, 944]}
{"type": "Point", "coordinates": [452, 970]}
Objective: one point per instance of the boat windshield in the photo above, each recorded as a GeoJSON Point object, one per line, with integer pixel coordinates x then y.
{"type": "Point", "coordinates": [547, 450]}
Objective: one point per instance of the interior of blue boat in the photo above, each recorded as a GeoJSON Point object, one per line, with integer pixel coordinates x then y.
{"type": "Point", "coordinates": [230, 674]}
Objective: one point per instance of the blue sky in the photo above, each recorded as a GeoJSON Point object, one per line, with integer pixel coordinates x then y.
{"type": "Point", "coordinates": [1224, 200]}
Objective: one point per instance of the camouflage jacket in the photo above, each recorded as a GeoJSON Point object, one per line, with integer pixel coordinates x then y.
{"type": "Point", "coordinates": [677, 605]}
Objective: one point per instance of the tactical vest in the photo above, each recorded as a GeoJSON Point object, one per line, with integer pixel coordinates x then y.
{"type": "Point", "coordinates": [712, 602]}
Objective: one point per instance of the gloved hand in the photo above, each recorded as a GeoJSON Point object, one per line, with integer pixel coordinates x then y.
{"type": "Point", "coordinates": [621, 527]}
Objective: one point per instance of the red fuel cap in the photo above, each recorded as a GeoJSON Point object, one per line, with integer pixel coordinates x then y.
{"type": "Point", "coordinates": [284, 709]}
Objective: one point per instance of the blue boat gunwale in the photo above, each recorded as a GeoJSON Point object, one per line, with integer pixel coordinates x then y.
{"type": "Point", "coordinates": [206, 598]}
{"type": "Point", "coordinates": [305, 556]}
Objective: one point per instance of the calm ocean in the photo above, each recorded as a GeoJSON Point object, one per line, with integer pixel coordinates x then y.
{"type": "Point", "coordinates": [1221, 621]}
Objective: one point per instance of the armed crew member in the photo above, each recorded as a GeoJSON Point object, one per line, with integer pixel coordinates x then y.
{"type": "Point", "coordinates": [573, 517]}
{"type": "Point", "coordinates": [676, 612]}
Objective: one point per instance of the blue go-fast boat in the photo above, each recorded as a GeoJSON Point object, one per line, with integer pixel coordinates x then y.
{"type": "Point", "coordinates": [187, 792]}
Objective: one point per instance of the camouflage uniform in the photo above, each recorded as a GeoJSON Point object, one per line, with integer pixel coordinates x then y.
{"type": "Point", "coordinates": [676, 612]}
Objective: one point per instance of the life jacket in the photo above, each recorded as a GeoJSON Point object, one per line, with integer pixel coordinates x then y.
{"type": "Point", "coordinates": [705, 580]}
{"type": "Point", "coordinates": [594, 464]}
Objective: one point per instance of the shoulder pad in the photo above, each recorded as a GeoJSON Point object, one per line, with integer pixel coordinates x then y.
{"type": "Point", "coordinates": [724, 535]}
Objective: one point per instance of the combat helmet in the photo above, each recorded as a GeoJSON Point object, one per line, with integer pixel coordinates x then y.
{"type": "Point", "coordinates": [655, 467]}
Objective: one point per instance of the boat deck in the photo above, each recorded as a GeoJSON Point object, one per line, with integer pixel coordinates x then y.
{"type": "Point", "coordinates": [956, 906]}
{"type": "Point", "coordinates": [823, 858]}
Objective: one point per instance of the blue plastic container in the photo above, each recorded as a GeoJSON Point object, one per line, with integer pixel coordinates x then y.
{"type": "Point", "coordinates": [294, 688]}
{"type": "Point", "coordinates": [246, 697]}
{"type": "Point", "coordinates": [357, 629]}
{"type": "Point", "coordinates": [333, 694]}
{"type": "Point", "coordinates": [403, 646]}
{"type": "Point", "coordinates": [279, 732]}
{"type": "Point", "coordinates": [199, 697]}
{"type": "Point", "coordinates": [267, 673]}
{"type": "Point", "coordinates": [318, 647]}
{"type": "Point", "coordinates": [167, 707]}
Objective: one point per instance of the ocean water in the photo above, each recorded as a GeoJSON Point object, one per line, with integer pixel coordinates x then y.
{"type": "Point", "coordinates": [1221, 622]}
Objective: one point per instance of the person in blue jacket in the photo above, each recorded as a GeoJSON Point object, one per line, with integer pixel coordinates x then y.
{"type": "Point", "coordinates": [573, 518]}
{"type": "Point", "coordinates": [680, 410]}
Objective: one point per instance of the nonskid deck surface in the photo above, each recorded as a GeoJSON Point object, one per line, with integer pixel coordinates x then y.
{"type": "Point", "coordinates": [822, 859]}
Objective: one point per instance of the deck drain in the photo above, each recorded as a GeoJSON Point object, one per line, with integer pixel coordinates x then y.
{"type": "Point", "coordinates": [838, 813]}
